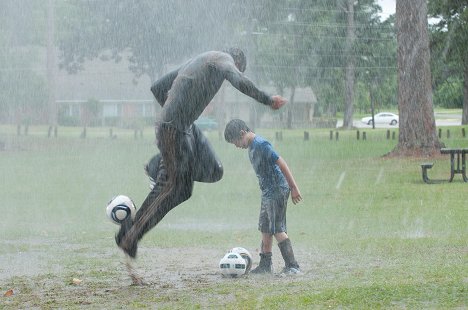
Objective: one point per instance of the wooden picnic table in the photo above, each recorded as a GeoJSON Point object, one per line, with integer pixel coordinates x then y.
{"type": "Point", "coordinates": [460, 154]}
{"type": "Point", "coordinates": [459, 168]}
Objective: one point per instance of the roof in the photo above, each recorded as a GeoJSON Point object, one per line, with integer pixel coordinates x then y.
{"type": "Point", "coordinates": [103, 80]}
{"type": "Point", "coordinates": [114, 82]}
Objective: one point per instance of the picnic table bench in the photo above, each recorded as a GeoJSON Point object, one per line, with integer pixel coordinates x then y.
{"type": "Point", "coordinates": [459, 154]}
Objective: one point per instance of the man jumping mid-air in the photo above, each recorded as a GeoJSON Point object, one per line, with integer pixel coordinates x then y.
{"type": "Point", "coordinates": [185, 154]}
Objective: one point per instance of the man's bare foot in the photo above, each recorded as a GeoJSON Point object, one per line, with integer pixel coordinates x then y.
{"type": "Point", "coordinates": [136, 279]}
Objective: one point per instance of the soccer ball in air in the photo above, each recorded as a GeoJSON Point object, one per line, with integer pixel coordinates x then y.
{"type": "Point", "coordinates": [120, 208]}
{"type": "Point", "coordinates": [245, 255]}
{"type": "Point", "coordinates": [232, 265]}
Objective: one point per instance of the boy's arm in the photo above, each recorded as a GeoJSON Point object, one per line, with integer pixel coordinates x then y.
{"type": "Point", "coordinates": [295, 193]}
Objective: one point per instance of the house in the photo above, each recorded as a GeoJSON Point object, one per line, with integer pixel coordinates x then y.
{"type": "Point", "coordinates": [123, 101]}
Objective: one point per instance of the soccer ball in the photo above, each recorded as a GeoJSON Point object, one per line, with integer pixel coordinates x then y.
{"type": "Point", "coordinates": [232, 265]}
{"type": "Point", "coordinates": [120, 208]}
{"type": "Point", "coordinates": [245, 255]}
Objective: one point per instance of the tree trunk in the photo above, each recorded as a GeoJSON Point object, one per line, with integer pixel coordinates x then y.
{"type": "Point", "coordinates": [417, 124]}
{"type": "Point", "coordinates": [465, 96]}
{"type": "Point", "coordinates": [53, 109]}
{"type": "Point", "coordinates": [350, 68]}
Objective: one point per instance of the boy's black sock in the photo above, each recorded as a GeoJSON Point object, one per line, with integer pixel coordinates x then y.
{"type": "Point", "coordinates": [288, 254]}
{"type": "Point", "coordinates": [265, 264]}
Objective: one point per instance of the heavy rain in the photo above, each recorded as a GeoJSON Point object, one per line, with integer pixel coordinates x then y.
{"type": "Point", "coordinates": [363, 106]}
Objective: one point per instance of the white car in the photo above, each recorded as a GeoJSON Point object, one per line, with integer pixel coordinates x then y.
{"type": "Point", "coordinates": [381, 118]}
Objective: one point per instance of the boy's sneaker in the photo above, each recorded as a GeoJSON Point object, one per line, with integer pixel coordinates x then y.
{"type": "Point", "coordinates": [290, 271]}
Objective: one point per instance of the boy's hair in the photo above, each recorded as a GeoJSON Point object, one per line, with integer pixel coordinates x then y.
{"type": "Point", "coordinates": [233, 130]}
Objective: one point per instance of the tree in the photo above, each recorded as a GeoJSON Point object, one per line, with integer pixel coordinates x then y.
{"type": "Point", "coordinates": [151, 33]}
{"type": "Point", "coordinates": [321, 44]}
{"type": "Point", "coordinates": [449, 44]}
{"type": "Point", "coordinates": [350, 74]}
{"type": "Point", "coordinates": [417, 124]}
{"type": "Point", "coordinates": [290, 43]}
{"type": "Point", "coordinates": [23, 91]}
{"type": "Point", "coordinates": [280, 35]}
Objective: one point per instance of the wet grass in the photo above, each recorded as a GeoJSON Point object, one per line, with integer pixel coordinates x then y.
{"type": "Point", "coordinates": [369, 233]}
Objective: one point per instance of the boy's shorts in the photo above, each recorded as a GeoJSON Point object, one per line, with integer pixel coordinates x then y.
{"type": "Point", "coordinates": [272, 219]}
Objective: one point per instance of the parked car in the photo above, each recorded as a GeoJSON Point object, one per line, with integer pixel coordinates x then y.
{"type": "Point", "coordinates": [381, 118]}
{"type": "Point", "coordinates": [206, 123]}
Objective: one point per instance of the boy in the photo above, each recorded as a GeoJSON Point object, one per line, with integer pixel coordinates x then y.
{"type": "Point", "coordinates": [276, 182]}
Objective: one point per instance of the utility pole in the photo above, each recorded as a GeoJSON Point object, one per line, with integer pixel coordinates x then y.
{"type": "Point", "coordinates": [52, 105]}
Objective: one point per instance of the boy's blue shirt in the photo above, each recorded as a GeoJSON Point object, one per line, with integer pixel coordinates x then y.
{"type": "Point", "coordinates": [263, 158]}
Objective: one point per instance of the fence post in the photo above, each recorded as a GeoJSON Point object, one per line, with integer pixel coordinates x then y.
{"type": "Point", "coordinates": [357, 134]}
{"type": "Point", "coordinates": [463, 132]}
{"type": "Point", "coordinates": [83, 133]}
{"type": "Point", "coordinates": [388, 134]}
{"type": "Point", "coordinates": [306, 136]}
{"type": "Point", "coordinates": [364, 135]}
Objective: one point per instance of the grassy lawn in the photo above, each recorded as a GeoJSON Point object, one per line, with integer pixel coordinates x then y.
{"type": "Point", "coordinates": [369, 233]}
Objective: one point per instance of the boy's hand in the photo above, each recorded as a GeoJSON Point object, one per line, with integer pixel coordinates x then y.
{"type": "Point", "coordinates": [278, 102]}
{"type": "Point", "coordinates": [295, 195]}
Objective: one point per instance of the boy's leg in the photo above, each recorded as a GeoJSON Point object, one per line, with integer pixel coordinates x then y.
{"type": "Point", "coordinates": [264, 266]}
{"type": "Point", "coordinates": [291, 265]}
{"type": "Point", "coordinates": [267, 243]}
{"type": "Point", "coordinates": [174, 185]}
{"type": "Point", "coordinates": [265, 226]}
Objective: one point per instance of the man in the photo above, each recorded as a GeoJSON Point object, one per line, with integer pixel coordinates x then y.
{"type": "Point", "coordinates": [186, 155]}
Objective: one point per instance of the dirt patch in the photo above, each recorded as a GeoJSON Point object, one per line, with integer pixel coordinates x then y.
{"type": "Point", "coordinates": [181, 268]}
{"type": "Point", "coordinates": [176, 268]}
{"type": "Point", "coordinates": [40, 278]}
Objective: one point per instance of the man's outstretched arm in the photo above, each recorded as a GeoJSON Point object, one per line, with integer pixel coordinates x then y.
{"type": "Point", "coordinates": [244, 85]}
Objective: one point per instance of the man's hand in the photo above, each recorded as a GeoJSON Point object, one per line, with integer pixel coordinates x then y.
{"type": "Point", "coordinates": [278, 102]}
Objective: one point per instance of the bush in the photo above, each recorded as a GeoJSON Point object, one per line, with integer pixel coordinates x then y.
{"type": "Point", "coordinates": [65, 120]}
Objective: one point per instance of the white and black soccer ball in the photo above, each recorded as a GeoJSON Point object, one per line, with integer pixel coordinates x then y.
{"type": "Point", "coordinates": [232, 265]}
{"type": "Point", "coordinates": [120, 208]}
{"type": "Point", "coordinates": [245, 255]}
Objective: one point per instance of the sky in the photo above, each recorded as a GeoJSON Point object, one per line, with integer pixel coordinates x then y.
{"type": "Point", "coordinates": [388, 7]}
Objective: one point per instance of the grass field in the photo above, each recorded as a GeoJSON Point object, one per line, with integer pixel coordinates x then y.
{"type": "Point", "coordinates": [368, 235]}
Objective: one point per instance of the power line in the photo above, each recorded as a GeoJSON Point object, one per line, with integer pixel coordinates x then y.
{"type": "Point", "coordinates": [312, 36]}
{"type": "Point", "coordinates": [332, 25]}
{"type": "Point", "coordinates": [323, 67]}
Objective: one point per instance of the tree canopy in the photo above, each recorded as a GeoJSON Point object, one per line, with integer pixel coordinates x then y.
{"type": "Point", "coordinates": [23, 89]}
{"type": "Point", "coordinates": [449, 45]}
